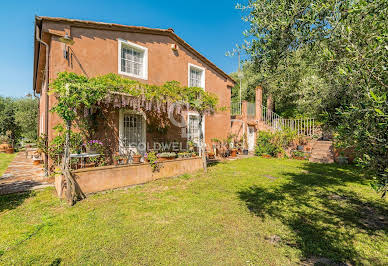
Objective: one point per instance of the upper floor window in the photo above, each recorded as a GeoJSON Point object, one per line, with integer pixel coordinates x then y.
{"type": "Point", "coordinates": [133, 60]}
{"type": "Point", "coordinates": [196, 76]}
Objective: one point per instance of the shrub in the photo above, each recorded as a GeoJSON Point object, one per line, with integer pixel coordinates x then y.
{"type": "Point", "coordinates": [264, 144]}
{"type": "Point", "coordinates": [274, 143]}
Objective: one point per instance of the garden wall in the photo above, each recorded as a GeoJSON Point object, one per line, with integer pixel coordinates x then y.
{"type": "Point", "coordinates": [110, 177]}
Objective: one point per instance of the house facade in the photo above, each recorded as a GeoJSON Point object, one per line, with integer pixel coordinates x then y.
{"type": "Point", "coordinates": [151, 56]}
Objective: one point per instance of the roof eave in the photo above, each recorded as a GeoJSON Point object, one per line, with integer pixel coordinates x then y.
{"type": "Point", "coordinates": [113, 26]}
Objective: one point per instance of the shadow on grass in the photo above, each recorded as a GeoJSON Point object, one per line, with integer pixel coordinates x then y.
{"type": "Point", "coordinates": [12, 201]}
{"type": "Point", "coordinates": [321, 214]}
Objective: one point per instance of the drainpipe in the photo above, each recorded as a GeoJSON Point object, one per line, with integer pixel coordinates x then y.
{"type": "Point", "coordinates": [46, 78]}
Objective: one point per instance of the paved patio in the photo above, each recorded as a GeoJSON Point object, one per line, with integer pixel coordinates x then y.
{"type": "Point", "coordinates": [22, 175]}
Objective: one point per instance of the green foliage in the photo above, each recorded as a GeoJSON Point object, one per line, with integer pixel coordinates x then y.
{"type": "Point", "coordinates": [264, 144]}
{"type": "Point", "coordinates": [322, 213]}
{"type": "Point", "coordinates": [19, 116]}
{"type": "Point", "coordinates": [367, 135]}
{"type": "Point", "coordinates": [297, 153]}
{"type": "Point", "coordinates": [325, 58]}
{"type": "Point", "coordinates": [8, 125]}
{"type": "Point", "coordinates": [274, 143]}
{"type": "Point", "coordinates": [153, 160]}
{"type": "Point", "coordinates": [26, 117]}
{"type": "Point", "coordinates": [167, 155]}
{"type": "Point", "coordinates": [56, 147]}
{"type": "Point", "coordinates": [249, 82]}
{"type": "Point", "coordinates": [76, 92]}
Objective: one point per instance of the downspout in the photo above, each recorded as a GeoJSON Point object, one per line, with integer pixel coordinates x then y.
{"type": "Point", "coordinates": [46, 103]}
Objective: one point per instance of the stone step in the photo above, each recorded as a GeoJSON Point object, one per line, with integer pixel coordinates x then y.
{"type": "Point", "coordinates": [321, 154]}
{"type": "Point", "coordinates": [322, 147]}
{"type": "Point", "coordinates": [321, 160]}
{"type": "Point", "coordinates": [324, 141]}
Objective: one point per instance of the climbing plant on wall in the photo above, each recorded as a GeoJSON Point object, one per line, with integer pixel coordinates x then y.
{"type": "Point", "coordinates": [77, 96]}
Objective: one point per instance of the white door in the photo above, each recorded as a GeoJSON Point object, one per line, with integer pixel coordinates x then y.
{"type": "Point", "coordinates": [193, 129]}
{"type": "Point", "coordinates": [132, 133]}
{"type": "Point", "coordinates": [251, 138]}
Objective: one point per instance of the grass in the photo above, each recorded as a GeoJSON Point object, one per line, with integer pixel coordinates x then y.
{"type": "Point", "coordinates": [250, 211]}
{"type": "Point", "coordinates": [5, 159]}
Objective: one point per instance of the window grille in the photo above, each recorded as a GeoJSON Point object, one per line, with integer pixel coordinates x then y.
{"type": "Point", "coordinates": [133, 130]}
{"type": "Point", "coordinates": [132, 60]}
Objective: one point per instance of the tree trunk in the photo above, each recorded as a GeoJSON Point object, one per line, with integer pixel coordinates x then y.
{"type": "Point", "coordinates": [201, 144]}
{"type": "Point", "coordinates": [73, 191]}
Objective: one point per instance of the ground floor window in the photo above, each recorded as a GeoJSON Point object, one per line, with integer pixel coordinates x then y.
{"type": "Point", "coordinates": [193, 128]}
{"type": "Point", "coordinates": [132, 131]}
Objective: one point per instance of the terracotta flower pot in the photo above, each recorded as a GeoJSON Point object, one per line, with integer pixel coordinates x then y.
{"type": "Point", "coordinates": [36, 162]}
{"type": "Point", "coordinates": [233, 153]}
{"type": "Point", "coordinates": [86, 165]}
{"type": "Point", "coordinates": [211, 155]}
{"type": "Point", "coordinates": [266, 156]}
{"type": "Point", "coordinates": [10, 150]}
{"type": "Point", "coordinates": [136, 158]}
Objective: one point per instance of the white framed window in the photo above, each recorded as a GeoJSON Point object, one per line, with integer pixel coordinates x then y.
{"type": "Point", "coordinates": [196, 76]}
{"type": "Point", "coordinates": [132, 59]}
{"type": "Point", "coordinates": [132, 131]}
{"type": "Point", "coordinates": [193, 132]}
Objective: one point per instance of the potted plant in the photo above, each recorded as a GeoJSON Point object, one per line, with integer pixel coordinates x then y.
{"type": "Point", "coordinates": [298, 155]}
{"type": "Point", "coordinates": [93, 146]}
{"type": "Point", "coordinates": [166, 156]}
{"type": "Point", "coordinates": [191, 145]}
{"type": "Point", "coordinates": [153, 161]}
{"type": "Point", "coordinates": [210, 154]}
{"type": "Point", "coordinates": [116, 159]}
{"type": "Point", "coordinates": [36, 159]}
{"type": "Point", "coordinates": [6, 141]}
{"type": "Point", "coordinates": [136, 157]}
{"type": "Point", "coordinates": [245, 143]}
{"type": "Point", "coordinates": [342, 159]}
{"type": "Point", "coordinates": [4, 146]}
{"type": "Point", "coordinates": [10, 150]}
{"type": "Point", "coordinates": [233, 152]}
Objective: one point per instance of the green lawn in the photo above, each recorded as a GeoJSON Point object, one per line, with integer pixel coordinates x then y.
{"type": "Point", "coordinates": [5, 159]}
{"type": "Point", "coordinates": [250, 211]}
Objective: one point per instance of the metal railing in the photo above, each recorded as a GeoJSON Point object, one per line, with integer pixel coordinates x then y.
{"type": "Point", "coordinates": [251, 109]}
{"type": "Point", "coordinates": [235, 109]}
{"type": "Point", "coordinates": [302, 126]}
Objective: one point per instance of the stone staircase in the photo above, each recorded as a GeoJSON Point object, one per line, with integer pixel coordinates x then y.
{"type": "Point", "coordinates": [261, 125]}
{"type": "Point", "coordinates": [322, 152]}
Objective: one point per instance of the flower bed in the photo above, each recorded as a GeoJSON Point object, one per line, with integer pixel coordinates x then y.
{"type": "Point", "coordinates": [102, 178]}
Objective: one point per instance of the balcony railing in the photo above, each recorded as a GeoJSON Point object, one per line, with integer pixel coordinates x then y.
{"type": "Point", "coordinates": [235, 109]}
{"type": "Point", "coordinates": [251, 110]}
{"type": "Point", "coordinates": [302, 126]}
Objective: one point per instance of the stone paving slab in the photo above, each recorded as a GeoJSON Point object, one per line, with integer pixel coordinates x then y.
{"type": "Point", "coordinates": [22, 175]}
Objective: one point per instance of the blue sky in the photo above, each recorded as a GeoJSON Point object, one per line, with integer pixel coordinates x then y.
{"type": "Point", "coordinates": [211, 27]}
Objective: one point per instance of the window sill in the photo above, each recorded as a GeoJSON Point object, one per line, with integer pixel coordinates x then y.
{"type": "Point", "coordinates": [133, 75]}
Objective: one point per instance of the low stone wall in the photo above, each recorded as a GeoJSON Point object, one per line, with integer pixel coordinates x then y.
{"type": "Point", "coordinates": [109, 177]}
